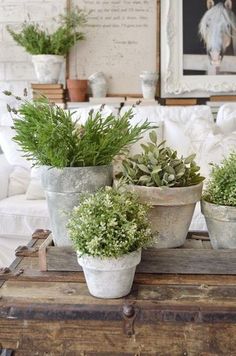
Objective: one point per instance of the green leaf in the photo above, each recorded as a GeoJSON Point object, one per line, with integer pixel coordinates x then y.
{"type": "Point", "coordinates": [143, 168]}
{"type": "Point", "coordinates": [189, 159]}
{"type": "Point", "coordinates": [153, 136]}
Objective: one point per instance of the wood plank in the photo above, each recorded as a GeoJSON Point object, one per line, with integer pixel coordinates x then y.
{"type": "Point", "coordinates": [15, 293]}
{"type": "Point", "coordinates": [193, 244]}
{"type": "Point", "coordinates": [183, 260]}
{"type": "Point", "coordinates": [74, 339]}
{"type": "Point", "coordinates": [180, 102]}
{"type": "Point", "coordinates": [42, 253]}
{"type": "Point", "coordinates": [188, 261]}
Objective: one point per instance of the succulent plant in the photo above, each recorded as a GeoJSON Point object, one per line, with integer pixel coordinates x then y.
{"type": "Point", "coordinates": [159, 166]}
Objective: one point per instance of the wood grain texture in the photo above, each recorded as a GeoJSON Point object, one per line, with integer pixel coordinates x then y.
{"type": "Point", "coordinates": [102, 338]}
{"type": "Point", "coordinates": [188, 260]}
{"type": "Point", "coordinates": [52, 313]}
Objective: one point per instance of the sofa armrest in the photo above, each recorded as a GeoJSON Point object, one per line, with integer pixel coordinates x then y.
{"type": "Point", "coordinates": [5, 170]}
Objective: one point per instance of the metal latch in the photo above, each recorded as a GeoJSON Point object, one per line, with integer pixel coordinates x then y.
{"type": "Point", "coordinates": [129, 315]}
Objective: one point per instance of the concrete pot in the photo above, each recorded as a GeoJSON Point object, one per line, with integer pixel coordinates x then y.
{"type": "Point", "coordinates": [63, 189]}
{"type": "Point", "coordinates": [110, 277]}
{"type": "Point", "coordinates": [171, 212]}
{"type": "Point", "coordinates": [47, 67]}
{"type": "Point", "coordinates": [221, 224]}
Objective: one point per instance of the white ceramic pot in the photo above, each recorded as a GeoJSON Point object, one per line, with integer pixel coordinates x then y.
{"type": "Point", "coordinates": [171, 211]}
{"type": "Point", "coordinates": [47, 67]}
{"type": "Point", "coordinates": [110, 277]}
{"type": "Point", "coordinates": [149, 84]}
{"type": "Point", "coordinates": [221, 224]}
{"type": "Point", "coordinates": [98, 85]}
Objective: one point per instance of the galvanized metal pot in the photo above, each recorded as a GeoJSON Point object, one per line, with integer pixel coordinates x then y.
{"type": "Point", "coordinates": [110, 277]}
{"type": "Point", "coordinates": [64, 187]}
{"type": "Point", "coordinates": [221, 224]}
{"type": "Point", "coordinates": [171, 212]}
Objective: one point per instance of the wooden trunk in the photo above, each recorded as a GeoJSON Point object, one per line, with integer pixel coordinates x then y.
{"type": "Point", "coordinates": [52, 313]}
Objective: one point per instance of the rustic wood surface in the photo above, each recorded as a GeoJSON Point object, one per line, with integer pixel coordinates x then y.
{"type": "Point", "coordinates": [52, 313]}
{"type": "Point", "coordinates": [195, 257]}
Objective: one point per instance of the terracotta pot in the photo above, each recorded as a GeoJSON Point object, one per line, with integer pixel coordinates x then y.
{"type": "Point", "coordinates": [77, 89]}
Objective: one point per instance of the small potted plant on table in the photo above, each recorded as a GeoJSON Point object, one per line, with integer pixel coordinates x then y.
{"type": "Point", "coordinates": [108, 230]}
{"type": "Point", "coordinates": [219, 204]}
{"type": "Point", "coordinates": [48, 50]}
{"type": "Point", "coordinates": [76, 158]}
{"type": "Point", "coordinates": [170, 184]}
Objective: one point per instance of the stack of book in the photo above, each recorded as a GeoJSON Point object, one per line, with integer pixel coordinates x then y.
{"type": "Point", "coordinates": [54, 92]}
{"type": "Point", "coordinates": [180, 101]}
{"type": "Point", "coordinates": [223, 98]}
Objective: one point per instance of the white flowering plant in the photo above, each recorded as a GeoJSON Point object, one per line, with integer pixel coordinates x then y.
{"type": "Point", "coordinates": [109, 223]}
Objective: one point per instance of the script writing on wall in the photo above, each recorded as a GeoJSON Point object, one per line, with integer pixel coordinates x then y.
{"type": "Point", "coordinates": [121, 41]}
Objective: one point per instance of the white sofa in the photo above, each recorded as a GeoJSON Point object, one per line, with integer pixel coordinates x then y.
{"type": "Point", "coordinates": [187, 129]}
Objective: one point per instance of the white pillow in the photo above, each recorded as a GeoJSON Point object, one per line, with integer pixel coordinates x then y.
{"type": "Point", "coordinates": [35, 190]}
{"type": "Point", "coordinates": [81, 114]}
{"type": "Point", "coordinates": [11, 149]}
{"type": "Point", "coordinates": [185, 128]}
{"type": "Point", "coordinates": [142, 113]}
{"type": "Point", "coordinates": [18, 181]}
{"type": "Point", "coordinates": [226, 118]}
{"type": "Point", "coordinates": [214, 149]}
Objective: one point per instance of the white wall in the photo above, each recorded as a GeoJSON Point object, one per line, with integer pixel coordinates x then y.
{"type": "Point", "coordinates": [16, 70]}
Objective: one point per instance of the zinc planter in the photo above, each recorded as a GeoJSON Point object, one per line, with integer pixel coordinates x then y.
{"type": "Point", "coordinates": [110, 277]}
{"type": "Point", "coordinates": [47, 67]}
{"type": "Point", "coordinates": [221, 224]}
{"type": "Point", "coordinates": [63, 189]}
{"type": "Point", "coordinates": [171, 212]}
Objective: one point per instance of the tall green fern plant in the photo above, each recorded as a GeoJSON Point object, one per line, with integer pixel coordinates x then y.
{"type": "Point", "coordinates": [48, 135]}
{"type": "Point", "coordinates": [37, 40]}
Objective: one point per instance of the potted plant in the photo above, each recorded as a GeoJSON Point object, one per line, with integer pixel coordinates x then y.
{"type": "Point", "coordinates": [170, 184]}
{"type": "Point", "coordinates": [76, 158]}
{"type": "Point", "coordinates": [108, 230]}
{"type": "Point", "coordinates": [219, 204]}
{"type": "Point", "coordinates": [48, 50]}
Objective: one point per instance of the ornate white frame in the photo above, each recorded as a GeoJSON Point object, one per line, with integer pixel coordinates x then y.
{"type": "Point", "coordinates": [173, 82]}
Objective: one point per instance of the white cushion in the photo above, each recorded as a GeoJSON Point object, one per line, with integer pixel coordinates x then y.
{"type": "Point", "coordinates": [35, 189]}
{"type": "Point", "coordinates": [198, 222]}
{"type": "Point", "coordinates": [142, 113]}
{"type": "Point", "coordinates": [21, 217]}
{"type": "Point", "coordinates": [214, 149]}
{"type": "Point", "coordinates": [18, 181]}
{"type": "Point", "coordinates": [185, 128]}
{"type": "Point", "coordinates": [226, 118]}
{"type": "Point", "coordinates": [81, 114]}
{"type": "Point", "coordinates": [11, 149]}
{"type": "Point", "coordinates": [8, 245]}
{"type": "Point", "coordinates": [5, 170]}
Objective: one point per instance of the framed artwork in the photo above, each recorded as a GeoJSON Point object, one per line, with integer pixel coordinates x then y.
{"type": "Point", "coordinates": [198, 47]}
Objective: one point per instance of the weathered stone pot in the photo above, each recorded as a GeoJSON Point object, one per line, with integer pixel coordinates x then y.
{"type": "Point", "coordinates": [221, 224]}
{"type": "Point", "coordinates": [171, 212]}
{"type": "Point", "coordinates": [63, 189]}
{"type": "Point", "coordinates": [110, 277]}
{"type": "Point", "coordinates": [47, 67]}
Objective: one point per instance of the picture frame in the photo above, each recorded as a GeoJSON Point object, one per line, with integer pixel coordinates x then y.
{"type": "Point", "coordinates": [173, 81]}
